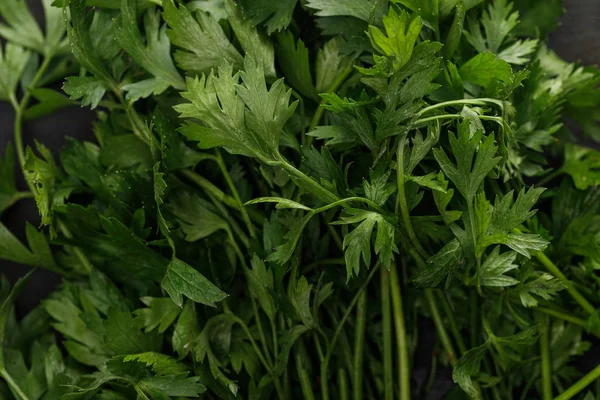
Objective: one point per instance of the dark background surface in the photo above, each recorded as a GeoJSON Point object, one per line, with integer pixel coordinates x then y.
{"type": "Point", "coordinates": [577, 39]}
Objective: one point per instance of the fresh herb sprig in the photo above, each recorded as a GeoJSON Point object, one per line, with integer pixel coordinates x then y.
{"type": "Point", "coordinates": [258, 163]}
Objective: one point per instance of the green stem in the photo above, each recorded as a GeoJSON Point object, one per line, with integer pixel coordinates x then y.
{"type": "Point", "coordinates": [207, 185]}
{"type": "Point", "coordinates": [328, 261]}
{"type": "Point", "coordinates": [13, 385]}
{"type": "Point", "coordinates": [386, 310]}
{"type": "Point", "coordinates": [473, 307]}
{"type": "Point", "coordinates": [553, 269]}
{"type": "Point", "coordinates": [441, 330]}
{"type": "Point", "coordinates": [546, 366]}
{"type": "Point", "coordinates": [343, 384]}
{"type": "Point", "coordinates": [338, 331]}
{"type": "Point", "coordinates": [236, 194]}
{"type": "Point", "coordinates": [261, 331]}
{"type": "Point", "coordinates": [303, 375]}
{"type": "Point", "coordinates": [309, 182]}
{"type": "Point", "coordinates": [401, 341]}
{"type": "Point", "coordinates": [359, 344]}
{"type": "Point", "coordinates": [462, 348]}
{"type": "Point", "coordinates": [580, 384]}
{"type": "Point", "coordinates": [549, 177]}
{"type": "Point", "coordinates": [478, 102]}
{"type": "Point", "coordinates": [562, 315]}
{"type": "Point", "coordinates": [401, 202]}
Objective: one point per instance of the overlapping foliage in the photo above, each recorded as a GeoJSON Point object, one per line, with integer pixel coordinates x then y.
{"type": "Point", "coordinates": [258, 163]}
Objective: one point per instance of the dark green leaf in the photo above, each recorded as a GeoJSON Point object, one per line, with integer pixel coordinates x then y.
{"type": "Point", "coordinates": [183, 280]}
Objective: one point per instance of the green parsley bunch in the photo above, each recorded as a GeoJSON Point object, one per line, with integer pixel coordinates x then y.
{"type": "Point", "coordinates": [280, 191]}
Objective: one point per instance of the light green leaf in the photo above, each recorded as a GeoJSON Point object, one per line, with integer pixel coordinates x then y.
{"type": "Point", "coordinates": [186, 329]}
{"type": "Point", "coordinates": [402, 32]}
{"type": "Point", "coordinates": [379, 189]}
{"type": "Point", "coordinates": [244, 119]}
{"type": "Point", "coordinates": [334, 135]}
{"type": "Point", "coordinates": [145, 88]}
{"type": "Point", "coordinates": [161, 312]}
{"type": "Point", "coordinates": [468, 366]}
{"type": "Point", "coordinates": [49, 100]}
{"type": "Point", "coordinates": [508, 215]}
{"type": "Point", "coordinates": [20, 27]}
{"type": "Point", "coordinates": [330, 64]}
{"type": "Point", "coordinates": [195, 218]}
{"type": "Point", "coordinates": [284, 252]}
{"type": "Point", "coordinates": [152, 54]}
{"type": "Point", "coordinates": [583, 165]}
{"type": "Point", "coordinates": [89, 89]}
{"type": "Point", "coordinates": [161, 364]}
{"type": "Point", "coordinates": [519, 52]}
{"type": "Point", "coordinates": [83, 47]}
{"type": "Point", "coordinates": [183, 280]}
{"type": "Point", "coordinates": [173, 385]}
{"type": "Point", "coordinates": [441, 265]}
{"type": "Point", "coordinates": [260, 281]}
{"type": "Point", "coordinates": [300, 298]}
{"type": "Point", "coordinates": [253, 42]}
{"type": "Point", "coordinates": [466, 174]}
{"type": "Point", "coordinates": [275, 15]}
{"type": "Point", "coordinates": [292, 57]}
{"type": "Point", "coordinates": [13, 61]}
{"type": "Point", "coordinates": [456, 30]}
{"type": "Point", "coordinates": [495, 265]}
{"type": "Point", "coordinates": [542, 285]}
{"type": "Point", "coordinates": [122, 336]}
{"type": "Point", "coordinates": [202, 38]}
{"type": "Point", "coordinates": [357, 244]}
{"type": "Point", "coordinates": [485, 67]}
{"type": "Point", "coordinates": [430, 181]}
{"type": "Point", "coordinates": [522, 243]}
{"type": "Point", "coordinates": [12, 249]}
{"type": "Point", "coordinates": [353, 8]}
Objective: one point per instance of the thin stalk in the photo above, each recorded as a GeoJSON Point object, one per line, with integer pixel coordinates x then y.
{"type": "Point", "coordinates": [550, 177]}
{"type": "Point", "coordinates": [17, 391]}
{"type": "Point", "coordinates": [462, 348]}
{"type": "Point", "coordinates": [303, 375]}
{"type": "Point", "coordinates": [473, 306]}
{"type": "Point", "coordinates": [580, 384]}
{"type": "Point", "coordinates": [441, 330]}
{"type": "Point", "coordinates": [318, 190]}
{"type": "Point", "coordinates": [235, 193]}
{"type": "Point", "coordinates": [473, 230]}
{"type": "Point", "coordinates": [386, 311]}
{"type": "Point", "coordinates": [338, 331]}
{"type": "Point", "coordinates": [546, 366]}
{"type": "Point", "coordinates": [478, 102]}
{"type": "Point", "coordinates": [562, 315]}
{"type": "Point", "coordinates": [261, 331]}
{"type": "Point", "coordinates": [401, 202]}
{"type": "Point", "coordinates": [257, 350]}
{"type": "Point", "coordinates": [553, 269]}
{"type": "Point", "coordinates": [207, 185]}
{"type": "Point", "coordinates": [343, 384]}
{"type": "Point", "coordinates": [327, 261]}
{"type": "Point", "coordinates": [359, 345]}
{"type": "Point", "coordinates": [401, 341]}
